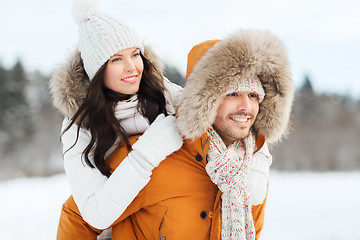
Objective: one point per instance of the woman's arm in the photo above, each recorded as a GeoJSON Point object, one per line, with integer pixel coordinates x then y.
{"type": "Point", "coordinates": [95, 195]}
{"type": "Point", "coordinates": [102, 200]}
{"type": "Point", "coordinates": [73, 226]}
{"type": "Point", "coordinates": [258, 175]}
{"type": "Point", "coordinates": [172, 95]}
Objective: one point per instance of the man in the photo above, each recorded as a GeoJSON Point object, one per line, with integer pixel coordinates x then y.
{"type": "Point", "coordinates": [238, 90]}
{"type": "Point", "coordinates": [241, 84]}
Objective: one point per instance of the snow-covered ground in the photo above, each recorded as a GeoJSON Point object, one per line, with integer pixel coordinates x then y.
{"type": "Point", "coordinates": [309, 206]}
{"type": "Point", "coordinates": [306, 206]}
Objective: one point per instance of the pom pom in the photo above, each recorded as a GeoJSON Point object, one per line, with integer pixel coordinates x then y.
{"type": "Point", "coordinates": [83, 9]}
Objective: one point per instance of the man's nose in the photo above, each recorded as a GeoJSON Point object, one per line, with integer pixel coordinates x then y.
{"type": "Point", "coordinates": [244, 102]}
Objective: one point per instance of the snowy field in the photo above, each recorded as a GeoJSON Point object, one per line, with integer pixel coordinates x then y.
{"type": "Point", "coordinates": [306, 206]}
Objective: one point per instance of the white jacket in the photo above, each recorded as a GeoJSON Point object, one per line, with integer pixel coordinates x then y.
{"type": "Point", "coordinates": [98, 202]}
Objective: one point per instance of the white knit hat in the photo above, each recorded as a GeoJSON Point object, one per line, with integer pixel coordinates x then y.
{"type": "Point", "coordinates": [251, 84]}
{"type": "Point", "coordinates": [101, 35]}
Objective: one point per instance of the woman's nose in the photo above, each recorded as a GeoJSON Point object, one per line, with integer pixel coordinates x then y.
{"type": "Point", "coordinates": [130, 66]}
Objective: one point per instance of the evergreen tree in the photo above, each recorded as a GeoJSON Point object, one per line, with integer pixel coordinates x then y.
{"type": "Point", "coordinates": [3, 93]}
{"type": "Point", "coordinates": [307, 87]}
{"type": "Point", "coordinates": [16, 87]}
{"type": "Point", "coordinates": [18, 119]}
{"type": "Point", "coordinates": [174, 75]}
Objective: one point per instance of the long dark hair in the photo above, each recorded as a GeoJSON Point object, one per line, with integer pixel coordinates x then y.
{"type": "Point", "coordinates": [96, 113]}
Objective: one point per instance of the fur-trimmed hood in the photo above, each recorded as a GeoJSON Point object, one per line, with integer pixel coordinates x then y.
{"type": "Point", "coordinates": [244, 53]}
{"type": "Point", "coordinates": [69, 83]}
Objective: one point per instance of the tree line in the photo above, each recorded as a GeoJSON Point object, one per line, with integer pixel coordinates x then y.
{"type": "Point", "coordinates": [324, 134]}
{"type": "Point", "coordinates": [29, 126]}
{"type": "Point", "coordinates": [324, 131]}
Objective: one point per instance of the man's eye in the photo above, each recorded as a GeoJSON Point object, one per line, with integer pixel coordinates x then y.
{"type": "Point", "coordinates": [234, 94]}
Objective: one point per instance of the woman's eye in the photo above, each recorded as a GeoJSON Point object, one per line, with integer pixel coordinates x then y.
{"type": "Point", "coordinates": [136, 55]}
{"type": "Point", "coordinates": [253, 95]}
{"type": "Point", "coordinates": [115, 60]}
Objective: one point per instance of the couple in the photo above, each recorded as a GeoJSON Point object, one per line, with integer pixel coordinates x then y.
{"type": "Point", "coordinates": [134, 167]}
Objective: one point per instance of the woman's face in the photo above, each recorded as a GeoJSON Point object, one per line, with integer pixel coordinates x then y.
{"type": "Point", "coordinates": [123, 71]}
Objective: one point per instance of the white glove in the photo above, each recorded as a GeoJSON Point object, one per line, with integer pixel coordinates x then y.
{"type": "Point", "coordinates": [160, 140]}
{"type": "Point", "coordinates": [258, 176]}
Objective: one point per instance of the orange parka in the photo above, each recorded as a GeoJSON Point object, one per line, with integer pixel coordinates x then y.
{"type": "Point", "coordinates": [179, 202]}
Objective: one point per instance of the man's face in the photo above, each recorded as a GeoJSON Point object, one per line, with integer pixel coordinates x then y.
{"type": "Point", "coordinates": [236, 115]}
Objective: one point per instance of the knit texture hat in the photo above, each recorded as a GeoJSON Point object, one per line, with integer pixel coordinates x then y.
{"type": "Point", "coordinates": [101, 35]}
{"type": "Point", "coordinates": [250, 84]}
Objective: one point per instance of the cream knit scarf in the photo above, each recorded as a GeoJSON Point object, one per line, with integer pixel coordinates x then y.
{"type": "Point", "coordinates": [129, 117]}
{"type": "Point", "coordinates": [228, 168]}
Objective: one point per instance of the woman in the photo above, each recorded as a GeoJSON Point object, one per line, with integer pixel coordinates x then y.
{"type": "Point", "coordinates": [110, 89]}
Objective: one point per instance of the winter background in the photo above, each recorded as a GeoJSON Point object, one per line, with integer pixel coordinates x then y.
{"type": "Point", "coordinates": [322, 36]}
{"type": "Point", "coordinates": [315, 182]}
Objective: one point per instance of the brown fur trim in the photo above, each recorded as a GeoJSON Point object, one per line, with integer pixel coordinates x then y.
{"type": "Point", "coordinates": [243, 53]}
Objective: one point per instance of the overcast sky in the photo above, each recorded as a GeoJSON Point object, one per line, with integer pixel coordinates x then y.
{"type": "Point", "coordinates": [322, 36]}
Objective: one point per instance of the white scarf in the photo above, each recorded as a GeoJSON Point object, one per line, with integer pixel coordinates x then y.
{"type": "Point", "coordinates": [228, 168]}
{"type": "Point", "coordinates": [129, 116]}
